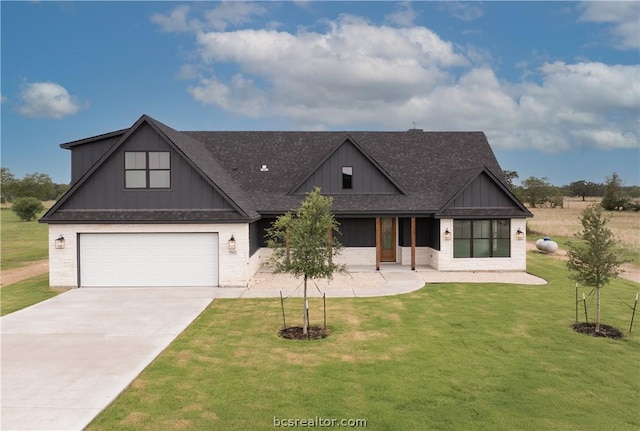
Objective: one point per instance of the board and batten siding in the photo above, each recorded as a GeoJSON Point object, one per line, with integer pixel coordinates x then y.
{"type": "Point", "coordinates": [105, 189]}
{"type": "Point", "coordinates": [84, 156]}
{"type": "Point", "coordinates": [483, 192]}
{"type": "Point", "coordinates": [367, 178]}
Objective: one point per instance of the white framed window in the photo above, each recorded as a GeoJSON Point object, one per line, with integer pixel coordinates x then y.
{"type": "Point", "coordinates": [481, 238]}
{"type": "Point", "coordinates": [147, 170]}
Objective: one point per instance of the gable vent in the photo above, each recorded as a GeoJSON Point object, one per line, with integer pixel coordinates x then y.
{"type": "Point", "coordinates": [264, 168]}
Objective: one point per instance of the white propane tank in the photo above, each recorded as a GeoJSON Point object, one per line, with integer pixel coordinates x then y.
{"type": "Point", "coordinates": [546, 245]}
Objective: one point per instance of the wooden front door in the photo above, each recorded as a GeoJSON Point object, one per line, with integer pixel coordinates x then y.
{"type": "Point", "coordinates": [387, 239]}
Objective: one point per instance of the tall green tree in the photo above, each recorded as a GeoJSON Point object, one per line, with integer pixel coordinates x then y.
{"type": "Point", "coordinates": [8, 184]}
{"type": "Point", "coordinates": [510, 176]}
{"type": "Point", "coordinates": [594, 259]}
{"type": "Point", "coordinates": [304, 245]}
{"type": "Point", "coordinates": [614, 198]}
{"type": "Point", "coordinates": [538, 191]}
{"type": "Point", "coordinates": [584, 188]}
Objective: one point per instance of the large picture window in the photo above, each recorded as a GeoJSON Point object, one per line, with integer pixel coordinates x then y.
{"type": "Point", "coordinates": [147, 170]}
{"type": "Point", "coordinates": [481, 238]}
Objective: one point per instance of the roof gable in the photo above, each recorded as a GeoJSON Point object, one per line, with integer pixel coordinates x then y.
{"type": "Point", "coordinates": [368, 177]}
{"type": "Point", "coordinates": [164, 139]}
{"type": "Point", "coordinates": [482, 193]}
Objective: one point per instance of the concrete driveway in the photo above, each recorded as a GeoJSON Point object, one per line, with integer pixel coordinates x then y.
{"type": "Point", "coordinates": [64, 360]}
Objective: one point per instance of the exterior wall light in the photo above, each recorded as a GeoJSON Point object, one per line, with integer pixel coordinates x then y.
{"type": "Point", "coordinates": [447, 234]}
{"type": "Point", "coordinates": [519, 234]}
{"type": "Point", "coordinates": [232, 244]}
{"type": "Point", "coordinates": [59, 242]}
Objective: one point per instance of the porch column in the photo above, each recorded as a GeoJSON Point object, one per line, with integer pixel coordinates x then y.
{"type": "Point", "coordinates": [413, 243]}
{"type": "Point", "coordinates": [378, 245]}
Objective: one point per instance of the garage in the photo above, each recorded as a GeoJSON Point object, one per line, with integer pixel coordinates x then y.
{"type": "Point", "coordinates": [148, 259]}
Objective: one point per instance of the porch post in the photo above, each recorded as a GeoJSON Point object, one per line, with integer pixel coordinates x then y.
{"type": "Point", "coordinates": [413, 243]}
{"type": "Point", "coordinates": [378, 245]}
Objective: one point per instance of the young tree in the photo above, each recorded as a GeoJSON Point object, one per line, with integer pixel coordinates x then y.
{"type": "Point", "coordinates": [594, 260]}
{"type": "Point", "coordinates": [304, 245]}
{"type": "Point", "coordinates": [27, 208]}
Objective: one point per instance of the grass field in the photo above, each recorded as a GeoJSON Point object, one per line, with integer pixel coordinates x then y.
{"type": "Point", "coordinates": [449, 357]}
{"type": "Point", "coordinates": [22, 242]}
{"type": "Point", "coordinates": [25, 293]}
{"type": "Point", "coordinates": [563, 223]}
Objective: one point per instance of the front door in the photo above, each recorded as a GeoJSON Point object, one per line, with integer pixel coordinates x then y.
{"type": "Point", "coordinates": [388, 239]}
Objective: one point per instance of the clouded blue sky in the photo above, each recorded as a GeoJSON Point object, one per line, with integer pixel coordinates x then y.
{"type": "Point", "coordinates": [554, 85]}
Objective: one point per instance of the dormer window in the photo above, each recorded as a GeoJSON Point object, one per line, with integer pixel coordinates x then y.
{"type": "Point", "coordinates": [147, 170]}
{"type": "Point", "coordinates": [347, 177]}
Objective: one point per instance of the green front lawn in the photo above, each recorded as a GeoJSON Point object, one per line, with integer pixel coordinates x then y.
{"type": "Point", "coordinates": [24, 293]}
{"type": "Point", "coordinates": [22, 241]}
{"type": "Point", "coordinates": [450, 356]}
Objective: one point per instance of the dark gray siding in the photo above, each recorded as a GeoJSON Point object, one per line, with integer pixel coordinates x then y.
{"type": "Point", "coordinates": [427, 232]}
{"type": "Point", "coordinates": [357, 232]}
{"type": "Point", "coordinates": [105, 189]}
{"type": "Point", "coordinates": [366, 177]}
{"type": "Point", "coordinates": [261, 230]}
{"type": "Point", "coordinates": [86, 155]}
{"type": "Point", "coordinates": [254, 237]}
{"type": "Point", "coordinates": [483, 192]}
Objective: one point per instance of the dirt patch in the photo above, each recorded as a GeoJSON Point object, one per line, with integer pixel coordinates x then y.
{"type": "Point", "coordinates": [605, 330]}
{"type": "Point", "coordinates": [15, 275]}
{"type": "Point", "coordinates": [295, 333]}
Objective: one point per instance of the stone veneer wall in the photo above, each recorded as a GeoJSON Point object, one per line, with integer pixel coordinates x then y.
{"type": "Point", "coordinates": [235, 269]}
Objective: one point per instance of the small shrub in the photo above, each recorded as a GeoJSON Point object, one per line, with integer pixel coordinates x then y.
{"type": "Point", "coordinates": [27, 208]}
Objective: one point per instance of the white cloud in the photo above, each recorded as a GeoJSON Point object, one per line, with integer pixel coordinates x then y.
{"type": "Point", "coordinates": [225, 14]}
{"type": "Point", "coordinates": [465, 11]}
{"type": "Point", "coordinates": [47, 99]}
{"type": "Point", "coordinates": [354, 60]}
{"type": "Point", "coordinates": [624, 16]}
{"type": "Point", "coordinates": [404, 15]}
{"type": "Point", "coordinates": [176, 21]}
{"type": "Point", "coordinates": [3, 99]}
{"type": "Point", "coordinates": [357, 74]}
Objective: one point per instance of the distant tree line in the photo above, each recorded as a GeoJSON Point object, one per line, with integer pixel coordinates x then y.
{"type": "Point", "coordinates": [35, 185]}
{"type": "Point", "coordinates": [539, 192]}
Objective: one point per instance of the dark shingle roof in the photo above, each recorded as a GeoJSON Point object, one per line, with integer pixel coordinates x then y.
{"type": "Point", "coordinates": [142, 216]}
{"type": "Point", "coordinates": [427, 165]}
{"type": "Point", "coordinates": [429, 168]}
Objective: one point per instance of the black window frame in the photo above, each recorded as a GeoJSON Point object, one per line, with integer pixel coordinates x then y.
{"type": "Point", "coordinates": [471, 234]}
{"type": "Point", "coordinates": [147, 169]}
{"type": "Point", "coordinates": [347, 178]}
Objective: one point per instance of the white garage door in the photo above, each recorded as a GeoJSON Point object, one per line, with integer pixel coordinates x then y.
{"type": "Point", "coordinates": [148, 259]}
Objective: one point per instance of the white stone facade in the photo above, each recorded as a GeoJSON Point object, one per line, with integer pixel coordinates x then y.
{"type": "Point", "coordinates": [517, 261]}
{"type": "Point", "coordinates": [236, 269]}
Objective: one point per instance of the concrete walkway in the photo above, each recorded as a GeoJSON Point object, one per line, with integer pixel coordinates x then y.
{"type": "Point", "coordinates": [365, 281]}
{"type": "Point", "coordinates": [65, 359]}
